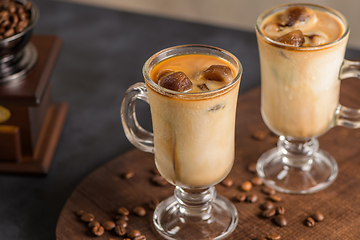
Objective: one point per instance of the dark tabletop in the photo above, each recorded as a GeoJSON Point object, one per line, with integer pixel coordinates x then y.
{"type": "Point", "coordinates": [102, 55]}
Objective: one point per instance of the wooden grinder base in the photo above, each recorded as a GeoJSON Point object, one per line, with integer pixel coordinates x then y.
{"type": "Point", "coordinates": [36, 120]}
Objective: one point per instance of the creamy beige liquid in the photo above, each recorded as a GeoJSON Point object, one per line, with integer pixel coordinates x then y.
{"type": "Point", "coordinates": [300, 87]}
{"type": "Point", "coordinates": [194, 138]}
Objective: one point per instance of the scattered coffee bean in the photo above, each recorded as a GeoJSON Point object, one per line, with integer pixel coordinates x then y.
{"type": "Point", "coordinates": [268, 213]}
{"type": "Point", "coordinates": [128, 174]}
{"type": "Point", "coordinates": [246, 186]}
{"type": "Point", "coordinates": [252, 167]}
{"type": "Point", "coordinates": [259, 238]}
{"type": "Point", "coordinates": [273, 237]}
{"type": "Point", "coordinates": [318, 216]}
{"type": "Point", "coordinates": [252, 198]}
{"type": "Point", "coordinates": [275, 198]}
{"type": "Point", "coordinates": [141, 237]}
{"type": "Point", "coordinates": [134, 233]}
{"type": "Point", "coordinates": [121, 223]}
{"type": "Point", "coordinates": [122, 217]}
{"type": "Point", "coordinates": [80, 213]}
{"type": "Point", "coordinates": [159, 180]}
{"type": "Point", "coordinates": [154, 202]}
{"type": "Point", "coordinates": [123, 211]}
{"type": "Point", "coordinates": [120, 230]}
{"type": "Point", "coordinates": [93, 224]}
{"type": "Point", "coordinates": [87, 217]}
{"type": "Point", "coordinates": [227, 182]}
{"type": "Point", "coordinates": [139, 211]}
{"type": "Point", "coordinates": [310, 222]}
{"type": "Point", "coordinates": [267, 205]}
{"type": "Point", "coordinates": [280, 220]}
{"type": "Point", "coordinates": [256, 181]}
{"type": "Point", "coordinates": [280, 210]}
{"type": "Point", "coordinates": [258, 135]}
{"type": "Point", "coordinates": [268, 190]}
{"type": "Point", "coordinates": [241, 197]}
{"type": "Point", "coordinates": [98, 230]}
{"type": "Point", "coordinates": [108, 225]}
{"type": "Point", "coordinates": [155, 171]}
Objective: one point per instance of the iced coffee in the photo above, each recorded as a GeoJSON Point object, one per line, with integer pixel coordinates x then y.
{"type": "Point", "coordinates": [193, 111]}
{"type": "Point", "coordinates": [301, 50]}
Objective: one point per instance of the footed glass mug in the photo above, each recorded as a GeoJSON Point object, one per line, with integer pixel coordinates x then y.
{"type": "Point", "coordinates": [193, 141]}
{"type": "Point", "coordinates": [300, 86]}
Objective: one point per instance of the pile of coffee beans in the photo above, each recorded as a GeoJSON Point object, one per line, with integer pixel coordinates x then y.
{"type": "Point", "coordinates": [14, 17]}
{"type": "Point", "coordinates": [119, 227]}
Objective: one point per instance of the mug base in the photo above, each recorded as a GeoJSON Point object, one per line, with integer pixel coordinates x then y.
{"type": "Point", "coordinates": [219, 223]}
{"type": "Point", "coordinates": [319, 172]}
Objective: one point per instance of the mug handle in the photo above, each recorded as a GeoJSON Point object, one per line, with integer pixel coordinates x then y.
{"type": "Point", "coordinates": [348, 117]}
{"type": "Point", "coordinates": [138, 136]}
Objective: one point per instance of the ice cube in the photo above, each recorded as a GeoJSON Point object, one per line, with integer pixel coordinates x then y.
{"type": "Point", "coordinates": [297, 14]}
{"type": "Point", "coordinates": [163, 73]}
{"type": "Point", "coordinates": [314, 40]}
{"type": "Point", "coordinates": [218, 73]}
{"type": "Point", "coordinates": [216, 107]}
{"type": "Point", "coordinates": [177, 81]}
{"type": "Point", "coordinates": [203, 87]}
{"type": "Point", "coordinates": [295, 38]}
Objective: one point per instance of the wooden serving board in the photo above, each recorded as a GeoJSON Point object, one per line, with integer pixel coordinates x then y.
{"type": "Point", "coordinates": [104, 190]}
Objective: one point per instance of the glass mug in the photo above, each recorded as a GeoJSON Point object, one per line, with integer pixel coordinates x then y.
{"type": "Point", "coordinates": [300, 89]}
{"type": "Point", "coordinates": [193, 141]}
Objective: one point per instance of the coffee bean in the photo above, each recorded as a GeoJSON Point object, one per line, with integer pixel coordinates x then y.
{"type": "Point", "coordinates": [280, 220]}
{"type": "Point", "coordinates": [93, 224]}
{"type": "Point", "coordinates": [98, 230]}
{"type": "Point", "coordinates": [14, 17]}
{"type": "Point", "coordinates": [141, 237]}
{"type": "Point", "coordinates": [154, 202]}
{"type": "Point", "coordinates": [8, 33]}
{"type": "Point", "coordinates": [227, 182]}
{"type": "Point", "coordinates": [256, 181]}
{"type": "Point", "coordinates": [280, 210]}
{"type": "Point", "coordinates": [155, 171]}
{"type": "Point", "coordinates": [241, 197]}
{"type": "Point", "coordinates": [121, 223]}
{"type": "Point", "coordinates": [268, 190]}
{"type": "Point", "coordinates": [267, 205]}
{"type": "Point", "coordinates": [128, 174]}
{"type": "Point", "coordinates": [87, 217]}
{"type": "Point", "coordinates": [122, 217]}
{"type": "Point", "coordinates": [80, 213]}
{"type": "Point", "coordinates": [252, 167]}
{"type": "Point", "coordinates": [275, 198]}
{"type": "Point", "coordinates": [310, 222]}
{"type": "Point", "coordinates": [252, 198]}
{"type": "Point", "coordinates": [259, 238]}
{"type": "Point", "coordinates": [273, 237]}
{"type": "Point", "coordinates": [120, 230]}
{"type": "Point", "coordinates": [318, 216]}
{"type": "Point", "coordinates": [140, 211]}
{"type": "Point", "coordinates": [268, 213]}
{"type": "Point", "coordinates": [134, 233]}
{"type": "Point", "coordinates": [123, 211]}
{"type": "Point", "coordinates": [108, 225]}
{"type": "Point", "coordinates": [246, 186]}
{"type": "Point", "coordinates": [258, 135]}
{"type": "Point", "coordinates": [159, 180]}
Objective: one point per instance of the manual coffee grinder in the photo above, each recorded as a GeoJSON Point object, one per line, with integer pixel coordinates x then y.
{"type": "Point", "coordinates": [30, 122]}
